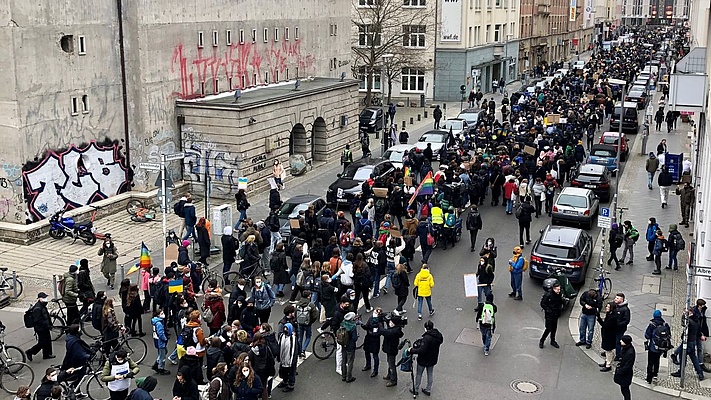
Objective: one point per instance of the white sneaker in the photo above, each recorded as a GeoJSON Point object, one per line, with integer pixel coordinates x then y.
{"type": "Point", "coordinates": [403, 311]}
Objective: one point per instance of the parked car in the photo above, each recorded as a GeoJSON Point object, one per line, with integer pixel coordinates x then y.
{"type": "Point", "coordinates": [457, 125]}
{"type": "Point", "coordinates": [612, 138]}
{"type": "Point", "coordinates": [395, 153]}
{"type": "Point", "coordinates": [594, 177]}
{"type": "Point", "coordinates": [371, 119]}
{"type": "Point", "coordinates": [630, 123]}
{"type": "Point", "coordinates": [575, 205]}
{"type": "Point", "coordinates": [436, 137]}
{"type": "Point", "coordinates": [639, 97]}
{"type": "Point", "coordinates": [605, 155]}
{"type": "Point", "coordinates": [471, 115]}
{"type": "Point", "coordinates": [348, 183]}
{"type": "Point", "coordinates": [580, 64]}
{"type": "Point", "coordinates": [564, 248]}
{"type": "Point", "coordinates": [290, 210]}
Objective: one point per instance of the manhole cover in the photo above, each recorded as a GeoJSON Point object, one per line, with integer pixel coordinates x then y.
{"type": "Point", "coordinates": [526, 387]}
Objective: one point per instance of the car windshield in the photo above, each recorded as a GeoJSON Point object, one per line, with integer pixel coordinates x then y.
{"type": "Point", "coordinates": [366, 114]}
{"type": "Point", "coordinates": [637, 88]}
{"type": "Point", "coordinates": [602, 153]}
{"type": "Point", "coordinates": [635, 94]}
{"type": "Point", "coordinates": [432, 138]}
{"type": "Point", "coordinates": [555, 251]}
{"type": "Point", "coordinates": [609, 139]}
{"type": "Point", "coordinates": [393, 155]}
{"type": "Point", "coordinates": [468, 116]}
{"type": "Point", "coordinates": [588, 178]}
{"type": "Point", "coordinates": [455, 125]}
{"type": "Point", "coordinates": [357, 173]}
{"type": "Point", "coordinates": [289, 210]}
{"type": "Point", "coordinates": [569, 200]}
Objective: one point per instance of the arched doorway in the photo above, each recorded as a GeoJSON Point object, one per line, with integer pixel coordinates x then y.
{"type": "Point", "coordinates": [299, 142]}
{"type": "Point", "coordinates": [319, 149]}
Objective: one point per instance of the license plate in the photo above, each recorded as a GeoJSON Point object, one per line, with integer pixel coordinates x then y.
{"type": "Point", "coordinates": [590, 186]}
{"type": "Point", "coordinates": [342, 200]}
{"type": "Point", "coordinates": [571, 212]}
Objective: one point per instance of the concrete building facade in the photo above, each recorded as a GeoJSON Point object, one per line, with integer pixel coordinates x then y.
{"type": "Point", "coordinates": [89, 95]}
{"type": "Point", "coordinates": [654, 12]}
{"type": "Point", "coordinates": [477, 44]}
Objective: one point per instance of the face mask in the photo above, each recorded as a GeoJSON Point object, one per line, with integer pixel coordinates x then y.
{"type": "Point", "coordinates": [481, 263]}
{"type": "Point", "coordinates": [161, 316]}
{"type": "Point", "coordinates": [53, 378]}
{"type": "Point", "coordinates": [258, 283]}
{"type": "Point", "coordinates": [241, 287]}
{"type": "Point", "coordinates": [44, 300]}
{"type": "Point", "coordinates": [245, 373]}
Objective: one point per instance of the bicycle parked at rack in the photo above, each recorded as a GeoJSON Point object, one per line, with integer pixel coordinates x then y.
{"type": "Point", "coordinates": [324, 344]}
{"type": "Point", "coordinates": [13, 370]}
{"type": "Point", "coordinates": [8, 284]}
{"type": "Point", "coordinates": [604, 284]}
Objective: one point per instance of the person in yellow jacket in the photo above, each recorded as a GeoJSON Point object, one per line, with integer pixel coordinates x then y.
{"type": "Point", "coordinates": [438, 220]}
{"type": "Point", "coordinates": [424, 282]}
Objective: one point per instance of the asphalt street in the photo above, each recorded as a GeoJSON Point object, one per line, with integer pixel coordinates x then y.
{"type": "Point", "coordinates": [463, 370]}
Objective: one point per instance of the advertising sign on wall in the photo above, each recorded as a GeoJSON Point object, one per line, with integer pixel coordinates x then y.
{"type": "Point", "coordinates": [451, 21]}
{"type": "Point", "coordinates": [573, 6]}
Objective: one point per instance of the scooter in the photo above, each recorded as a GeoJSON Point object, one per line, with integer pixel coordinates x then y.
{"type": "Point", "coordinates": [567, 291]}
{"type": "Point", "coordinates": [60, 227]}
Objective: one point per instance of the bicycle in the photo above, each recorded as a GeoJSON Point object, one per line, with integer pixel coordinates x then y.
{"type": "Point", "coordinates": [604, 284]}
{"type": "Point", "coordinates": [324, 344]}
{"type": "Point", "coordinates": [135, 347]}
{"type": "Point", "coordinates": [13, 373]}
{"type": "Point", "coordinates": [8, 353]}
{"type": "Point", "coordinates": [210, 274]}
{"type": "Point", "coordinates": [9, 284]}
{"type": "Point", "coordinates": [232, 277]}
{"type": "Point", "coordinates": [59, 322]}
{"type": "Point", "coordinates": [139, 212]}
{"type": "Point", "coordinates": [94, 388]}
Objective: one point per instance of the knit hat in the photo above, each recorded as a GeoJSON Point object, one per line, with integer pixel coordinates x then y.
{"type": "Point", "coordinates": [657, 314]}
{"type": "Point", "coordinates": [73, 268]}
{"type": "Point", "coordinates": [185, 243]}
{"type": "Point", "coordinates": [626, 339]}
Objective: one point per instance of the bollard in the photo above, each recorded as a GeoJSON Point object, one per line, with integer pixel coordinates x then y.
{"type": "Point", "coordinates": [14, 284]}
{"type": "Point", "coordinates": [403, 124]}
{"type": "Point", "coordinates": [418, 117]}
{"type": "Point", "coordinates": [425, 113]}
{"type": "Point", "coordinates": [123, 273]}
{"type": "Point", "coordinates": [54, 285]}
{"type": "Point", "coordinates": [412, 120]}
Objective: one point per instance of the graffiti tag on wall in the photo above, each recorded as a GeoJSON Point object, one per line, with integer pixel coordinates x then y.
{"type": "Point", "coordinates": [204, 158]}
{"type": "Point", "coordinates": [12, 204]}
{"type": "Point", "coordinates": [74, 177]}
{"type": "Point", "coordinates": [237, 61]}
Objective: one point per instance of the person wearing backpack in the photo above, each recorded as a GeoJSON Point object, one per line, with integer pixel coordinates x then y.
{"type": "Point", "coordinates": [661, 245]}
{"type": "Point", "coordinates": [144, 386]}
{"type": "Point", "coordinates": [631, 236]}
{"type": "Point", "coordinates": [190, 219]}
{"type": "Point", "coordinates": [485, 278]}
{"type": "Point", "coordinates": [658, 342]}
{"type": "Point", "coordinates": [615, 240]}
{"type": "Point", "coordinates": [193, 335]}
{"type": "Point", "coordinates": [242, 206]}
{"type": "Point", "coordinates": [651, 236]}
{"type": "Point", "coordinates": [178, 210]}
{"type": "Point", "coordinates": [427, 356]}
{"type": "Point", "coordinates": [401, 284]}
{"type": "Point", "coordinates": [486, 317]}
{"type": "Point", "coordinates": [692, 331]}
{"type": "Point", "coordinates": [263, 298]}
{"type": "Point", "coordinates": [676, 244]}
{"type": "Point", "coordinates": [306, 314]}
{"type": "Point", "coordinates": [216, 305]}
{"type": "Point", "coordinates": [346, 157]}
{"type": "Point", "coordinates": [42, 325]}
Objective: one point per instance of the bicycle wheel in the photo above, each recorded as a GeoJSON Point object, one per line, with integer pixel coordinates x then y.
{"type": "Point", "coordinates": [136, 349]}
{"type": "Point", "coordinates": [58, 327]}
{"type": "Point", "coordinates": [324, 345]}
{"type": "Point", "coordinates": [133, 206]}
{"type": "Point", "coordinates": [96, 389]}
{"type": "Point", "coordinates": [11, 282]}
{"type": "Point", "coordinates": [606, 288]}
{"type": "Point", "coordinates": [14, 354]}
{"type": "Point", "coordinates": [206, 282]}
{"type": "Point", "coordinates": [15, 375]}
{"type": "Point", "coordinates": [231, 279]}
{"type": "Point", "coordinates": [88, 329]}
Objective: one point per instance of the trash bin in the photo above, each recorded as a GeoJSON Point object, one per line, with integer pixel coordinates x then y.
{"type": "Point", "coordinates": [422, 100]}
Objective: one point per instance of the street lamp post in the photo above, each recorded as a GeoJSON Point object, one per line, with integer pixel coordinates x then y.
{"type": "Point", "coordinates": [386, 130]}
{"type": "Point", "coordinates": [619, 145]}
{"type": "Point", "coordinates": [506, 59]}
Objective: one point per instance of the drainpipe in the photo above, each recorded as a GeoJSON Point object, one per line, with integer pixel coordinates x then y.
{"type": "Point", "coordinates": [124, 99]}
{"type": "Point", "coordinates": [434, 68]}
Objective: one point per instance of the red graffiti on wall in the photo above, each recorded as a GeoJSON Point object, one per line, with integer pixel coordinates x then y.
{"type": "Point", "coordinates": [237, 61]}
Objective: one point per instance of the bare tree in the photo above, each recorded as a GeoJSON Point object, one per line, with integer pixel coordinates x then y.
{"type": "Point", "coordinates": [381, 30]}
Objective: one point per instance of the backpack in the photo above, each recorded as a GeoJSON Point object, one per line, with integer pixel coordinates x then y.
{"type": "Point", "coordinates": [487, 315]}
{"type": "Point", "coordinates": [308, 282]}
{"type": "Point", "coordinates": [451, 220]}
{"type": "Point", "coordinates": [662, 337]}
{"type": "Point", "coordinates": [525, 265]}
{"type": "Point", "coordinates": [303, 315]}
{"type": "Point", "coordinates": [178, 208]}
{"type": "Point", "coordinates": [342, 336]}
{"type": "Point", "coordinates": [618, 240]}
{"type": "Point", "coordinates": [28, 319]}
{"type": "Point", "coordinates": [634, 234]}
{"type": "Point", "coordinates": [207, 314]}
{"type": "Point", "coordinates": [679, 243]}
{"type": "Point", "coordinates": [187, 337]}
{"type": "Point", "coordinates": [205, 395]}
{"type": "Point", "coordinates": [395, 280]}
{"type": "Point", "coordinates": [665, 245]}
{"type": "Point", "coordinates": [62, 286]}
{"type": "Point", "coordinates": [344, 239]}
{"type": "Point", "coordinates": [518, 211]}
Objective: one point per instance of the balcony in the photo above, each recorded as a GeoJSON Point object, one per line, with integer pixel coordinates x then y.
{"type": "Point", "coordinates": [544, 9]}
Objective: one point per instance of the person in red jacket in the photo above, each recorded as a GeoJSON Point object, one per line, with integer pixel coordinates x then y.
{"type": "Point", "coordinates": [510, 192]}
{"type": "Point", "coordinates": [213, 301]}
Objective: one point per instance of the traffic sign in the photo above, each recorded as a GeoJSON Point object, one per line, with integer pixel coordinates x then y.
{"type": "Point", "coordinates": [604, 220]}
{"type": "Point", "coordinates": [149, 165]}
{"type": "Point", "coordinates": [174, 156]}
{"type": "Point", "coordinates": [702, 271]}
{"type": "Point", "coordinates": [605, 212]}
{"type": "Point", "coordinates": [168, 181]}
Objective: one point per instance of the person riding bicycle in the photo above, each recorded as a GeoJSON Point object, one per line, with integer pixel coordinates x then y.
{"type": "Point", "coordinates": [77, 355]}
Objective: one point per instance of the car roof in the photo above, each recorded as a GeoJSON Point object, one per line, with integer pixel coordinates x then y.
{"type": "Point", "coordinates": [435, 132]}
{"type": "Point", "coordinates": [639, 92]}
{"type": "Point", "coordinates": [575, 191]}
{"type": "Point", "coordinates": [470, 111]}
{"type": "Point", "coordinates": [455, 119]}
{"type": "Point", "coordinates": [372, 108]}
{"type": "Point", "coordinates": [556, 235]}
{"type": "Point", "coordinates": [628, 104]}
{"type": "Point", "coordinates": [401, 147]}
{"type": "Point", "coordinates": [602, 147]}
{"type": "Point", "coordinates": [595, 169]}
{"type": "Point", "coordinates": [613, 133]}
{"type": "Point", "coordinates": [302, 199]}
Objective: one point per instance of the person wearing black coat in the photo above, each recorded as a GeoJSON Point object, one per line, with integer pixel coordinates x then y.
{"type": "Point", "coordinates": [183, 256]}
{"type": "Point", "coordinates": [42, 325]}
{"type": "Point", "coordinates": [552, 305]}
{"type": "Point", "coordinates": [625, 368]}
{"type": "Point", "coordinates": [229, 249]}
{"type": "Point", "coordinates": [427, 355]}
{"type": "Point", "coordinates": [401, 283]}
{"type": "Point", "coordinates": [274, 199]}
{"type": "Point", "coordinates": [203, 239]}
{"type": "Point", "coordinates": [391, 340]}
{"type": "Point", "coordinates": [280, 269]}
{"type": "Point", "coordinates": [591, 303]}
{"type": "Point", "coordinates": [524, 220]}
{"type": "Point", "coordinates": [608, 331]}
{"type": "Point", "coordinates": [371, 342]}
{"type": "Point", "coordinates": [664, 180]}
{"type": "Point", "coordinates": [485, 277]}
{"type": "Point", "coordinates": [474, 225]}
{"type": "Point", "coordinates": [489, 252]}
{"type": "Point", "coordinates": [185, 387]}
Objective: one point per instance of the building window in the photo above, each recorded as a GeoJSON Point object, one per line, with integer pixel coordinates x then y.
{"type": "Point", "coordinates": [367, 36]}
{"type": "Point", "coordinates": [333, 29]}
{"type": "Point", "coordinates": [254, 36]}
{"type": "Point", "coordinates": [488, 33]}
{"type": "Point", "coordinates": [228, 37]}
{"type": "Point", "coordinates": [67, 43]}
{"type": "Point", "coordinates": [286, 33]}
{"type": "Point", "coordinates": [201, 40]}
{"type": "Point", "coordinates": [85, 104]}
{"type": "Point", "coordinates": [215, 38]}
{"type": "Point", "coordinates": [498, 3]}
{"type": "Point", "coordinates": [471, 41]}
{"type": "Point", "coordinates": [74, 105]}
{"type": "Point", "coordinates": [296, 33]}
{"type": "Point", "coordinates": [243, 82]}
{"type": "Point", "coordinates": [413, 36]}
{"type": "Point", "coordinates": [497, 33]}
{"type": "Point", "coordinates": [241, 36]}
{"type": "Point", "coordinates": [376, 78]}
{"type": "Point", "coordinates": [82, 45]}
{"type": "Point", "coordinates": [265, 35]}
{"type": "Point", "coordinates": [266, 78]}
{"type": "Point", "coordinates": [215, 86]}
{"type": "Point", "coordinates": [367, 3]}
{"type": "Point", "coordinates": [477, 4]}
{"type": "Point", "coordinates": [413, 3]}
{"type": "Point", "coordinates": [276, 34]}
{"type": "Point", "coordinates": [413, 80]}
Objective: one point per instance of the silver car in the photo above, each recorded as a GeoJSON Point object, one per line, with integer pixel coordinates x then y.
{"type": "Point", "coordinates": [576, 205]}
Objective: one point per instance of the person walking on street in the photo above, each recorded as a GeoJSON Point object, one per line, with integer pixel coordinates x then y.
{"type": "Point", "coordinates": [404, 136]}
{"type": "Point", "coordinates": [391, 334]}
{"type": "Point", "coordinates": [424, 282]}
{"type": "Point", "coordinates": [287, 356]}
{"type": "Point", "coordinates": [615, 239]}
{"type": "Point", "coordinates": [631, 236]}
{"type": "Point", "coordinates": [437, 115]}
{"type": "Point", "coordinates": [502, 85]}
{"type": "Point", "coordinates": [346, 157]}
{"type": "Point", "coordinates": [552, 305]}
{"type": "Point", "coordinates": [427, 355]}
{"type": "Point", "coordinates": [675, 244]}
{"type": "Point", "coordinates": [591, 301]}
{"type": "Point", "coordinates": [658, 119]}
{"type": "Point", "coordinates": [661, 245]}
{"type": "Point", "coordinates": [108, 262]}
{"type": "Point", "coordinates": [658, 341]}
{"type": "Point", "coordinates": [625, 368]}
{"type": "Point", "coordinates": [651, 236]}
{"type": "Point", "coordinates": [664, 180]}
{"type": "Point", "coordinates": [523, 214]}
{"type": "Point", "coordinates": [474, 225]}
{"type": "Point", "coordinates": [485, 278]}
{"type": "Point", "coordinates": [662, 148]}
{"type": "Point", "coordinates": [703, 333]}
{"type": "Point", "coordinates": [669, 118]}
{"type": "Point", "coordinates": [42, 325]}
{"type": "Point", "coordinates": [623, 319]}
{"type": "Point", "coordinates": [692, 330]}
{"type": "Point", "coordinates": [371, 342]}
{"type": "Point", "coordinates": [277, 173]}
{"type": "Point", "coordinates": [517, 265]}
{"type": "Point", "coordinates": [401, 284]}
{"type": "Point", "coordinates": [190, 219]}
{"type": "Point", "coordinates": [242, 207]}
{"type": "Point", "coordinates": [486, 317]}
{"type": "Point", "coordinates": [687, 197]}
{"type": "Point", "coordinates": [651, 166]}
{"type": "Point", "coordinates": [608, 331]}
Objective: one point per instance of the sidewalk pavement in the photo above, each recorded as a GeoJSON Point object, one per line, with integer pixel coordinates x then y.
{"type": "Point", "coordinates": [646, 292]}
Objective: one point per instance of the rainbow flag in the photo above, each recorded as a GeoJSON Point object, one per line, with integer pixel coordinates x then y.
{"type": "Point", "coordinates": [144, 260]}
{"type": "Point", "coordinates": [426, 187]}
{"type": "Point", "coordinates": [406, 171]}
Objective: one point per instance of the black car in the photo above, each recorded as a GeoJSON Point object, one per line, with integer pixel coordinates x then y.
{"type": "Point", "coordinates": [594, 177]}
{"type": "Point", "coordinates": [349, 182]}
{"type": "Point", "coordinates": [371, 119]}
{"type": "Point", "coordinates": [290, 210]}
{"type": "Point", "coordinates": [639, 97]}
{"type": "Point", "coordinates": [564, 248]}
{"type": "Point", "coordinates": [631, 121]}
